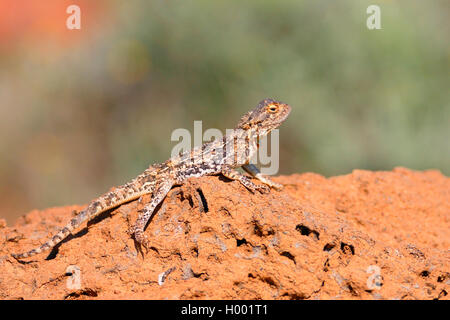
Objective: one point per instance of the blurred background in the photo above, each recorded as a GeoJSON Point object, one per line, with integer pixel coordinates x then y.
{"type": "Point", "coordinates": [84, 110]}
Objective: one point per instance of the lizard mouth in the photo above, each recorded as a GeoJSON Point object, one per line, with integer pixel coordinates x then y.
{"type": "Point", "coordinates": [284, 116]}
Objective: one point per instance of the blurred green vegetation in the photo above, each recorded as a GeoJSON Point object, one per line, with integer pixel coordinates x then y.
{"type": "Point", "coordinates": [75, 121]}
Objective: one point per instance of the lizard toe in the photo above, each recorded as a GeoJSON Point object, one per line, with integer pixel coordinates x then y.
{"type": "Point", "coordinates": [277, 186]}
{"type": "Point", "coordinates": [263, 188]}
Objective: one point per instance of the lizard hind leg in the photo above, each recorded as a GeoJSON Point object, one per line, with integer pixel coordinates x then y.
{"type": "Point", "coordinates": [147, 212]}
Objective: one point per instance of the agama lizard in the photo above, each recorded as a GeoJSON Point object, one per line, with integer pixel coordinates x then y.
{"type": "Point", "coordinates": [220, 156]}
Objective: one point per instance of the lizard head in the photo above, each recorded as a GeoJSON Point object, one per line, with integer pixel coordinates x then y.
{"type": "Point", "coordinates": [268, 115]}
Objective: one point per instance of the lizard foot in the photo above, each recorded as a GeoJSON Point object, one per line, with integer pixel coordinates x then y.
{"type": "Point", "coordinates": [141, 239]}
{"type": "Point", "coordinates": [261, 188]}
{"type": "Point", "coordinates": [131, 231]}
{"type": "Point", "coordinates": [276, 186]}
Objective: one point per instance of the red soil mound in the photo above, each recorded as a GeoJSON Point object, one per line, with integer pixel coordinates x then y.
{"type": "Point", "coordinates": [366, 235]}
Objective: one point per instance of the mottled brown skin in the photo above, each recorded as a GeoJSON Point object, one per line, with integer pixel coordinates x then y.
{"type": "Point", "coordinates": [220, 156]}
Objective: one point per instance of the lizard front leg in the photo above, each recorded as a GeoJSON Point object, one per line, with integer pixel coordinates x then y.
{"type": "Point", "coordinates": [235, 175]}
{"type": "Point", "coordinates": [138, 229]}
{"type": "Point", "coordinates": [254, 171]}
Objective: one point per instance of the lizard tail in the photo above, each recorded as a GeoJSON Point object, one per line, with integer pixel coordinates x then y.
{"type": "Point", "coordinates": [74, 223]}
{"type": "Point", "coordinates": [141, 185]}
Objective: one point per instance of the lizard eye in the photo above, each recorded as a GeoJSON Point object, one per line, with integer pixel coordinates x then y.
{"type": "Point", "coordinates": [272, 108]}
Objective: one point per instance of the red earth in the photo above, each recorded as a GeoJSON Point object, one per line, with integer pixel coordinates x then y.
{"type": "Point", "coordinates": [366, 235]}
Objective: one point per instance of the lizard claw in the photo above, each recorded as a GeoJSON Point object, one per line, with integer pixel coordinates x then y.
{"type": "Point", "coordinates": [146, 245]}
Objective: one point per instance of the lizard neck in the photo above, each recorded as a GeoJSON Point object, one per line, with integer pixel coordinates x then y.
{"type": "Point", "coordinates": [246, 143]}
